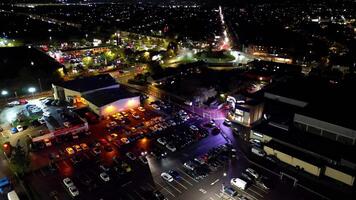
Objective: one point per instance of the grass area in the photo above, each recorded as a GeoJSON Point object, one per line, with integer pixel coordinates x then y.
{"type": "Point", "coordinates": [215, 56]}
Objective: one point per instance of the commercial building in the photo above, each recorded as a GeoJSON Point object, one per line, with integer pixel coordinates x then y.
{"type": "Point", "coordinates": [306, 128]}
{"type": "Point", "coordinates": [102, 94]}
{"type": "Point", "coordinates": [244, 111]}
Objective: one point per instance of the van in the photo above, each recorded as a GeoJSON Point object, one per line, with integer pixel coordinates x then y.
{"type": "Point", "coordinates": [239, 183]}
{"type": "Point", "coordinates": [258, 151]}
{"type": "Point", "coordinates": [12, 195]}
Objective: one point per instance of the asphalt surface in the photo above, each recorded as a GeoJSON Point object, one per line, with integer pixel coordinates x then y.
{"type": "Point", "coordinates": [47, 182]}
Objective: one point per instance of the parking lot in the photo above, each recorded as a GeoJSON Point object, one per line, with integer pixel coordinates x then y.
{"type": "Point", "coordinates": [146, 153]}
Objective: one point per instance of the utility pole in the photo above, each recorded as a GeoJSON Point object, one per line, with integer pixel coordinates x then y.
{"type": "Point", "coordinates": [39, 84]}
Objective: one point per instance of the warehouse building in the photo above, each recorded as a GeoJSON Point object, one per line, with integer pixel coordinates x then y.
{"type": "Point", "coordinates": [102, 94]}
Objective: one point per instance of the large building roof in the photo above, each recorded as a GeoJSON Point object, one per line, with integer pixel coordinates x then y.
{"type": "Point", "coordinates": [106, 96]}
{"type": "Point", "coordinates": [84, 84]}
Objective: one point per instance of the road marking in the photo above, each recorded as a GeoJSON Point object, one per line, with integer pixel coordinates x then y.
{"type": "Point", "coordinates": [188, 175]}
{"type": "Point", "coordinates": [202, 190]}
{"type": "Point", "coordinates": [139, 195]}
{"type": "Point", "coordinates": [259, 188]}
{"type": "Point", "coordinates": [123, 185]}
{"type": "Point", "coordinates": [255, 192]}
{"type": "Point", "coordinates": [130, 196]}
{"type": "Point", "coordinates": [213, 183]}
{"type": "Point", "coordinates": [217, 195]}
{"type": "Point", "coordinates": [187, 181]}
{"type": "Point", "coordinates": [149, 185]}
{"type": "Point", "coordinates": [181, 185]}
{"type": "Point", "coordinates": [174, 187]}
{"type": "Point", "coordinates": [166, 190]}
{"type": "Point", "coordinates": [211, 198]}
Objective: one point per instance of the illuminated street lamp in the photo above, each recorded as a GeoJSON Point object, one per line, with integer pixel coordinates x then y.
{"type": "Point", "coordinates": [32, 90]}
{"type": "Point", "coordinates": [4, 92]}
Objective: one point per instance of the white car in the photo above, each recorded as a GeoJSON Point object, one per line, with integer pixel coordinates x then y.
{"type": "Point", "coordinates": [131, 156]}
{"type": "Point", "coordinates": [143, 159]}
{"type": "Point", "coordinates": [135, 115]}
{"type": "Point", "coordinates": [227, 122]}
{"type": "Point", "coordinates": [167, 177]}
{"type": "Point", "coordinates": [104, 176]}
{"type": "Point", "coordinates": [162, 141]}
{"type": "Point", "coordinates": [73, 191]}
{"type": "Point", "coordinates": [46, 114]}
{"type": "Point", "coordinates": [68, 182]}
{"type": "Point", "coordinates": [194, 128]}
{"type": "Point", "coordinates": [142, 109]}
{"type": "Point", "coordinates": [19, 128]}
{"type": "Point", "coordinates": [171, 147]}
{"type": "Point", "coordinates": [252, 172]}
{"type": "Point", "coordinates": [154, 106]}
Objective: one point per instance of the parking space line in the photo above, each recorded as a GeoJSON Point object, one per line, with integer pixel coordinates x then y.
{"type": "Point", "coordinates": [260, 189]}
{"type": "Point", "coordinates": [181, 185]}
{"type": "Point", "coordinates": [130, 196]}
{"type": "Point", "coordinates": [255, 192]}
{"type": "Point", "coordinates": [150, 186]}
{"type": "Point", "coordinates": [188, 175]}
{"type": "Point", "coordinates": [166, 190]}
{"type": "Point", "coordinates": [139, 195]}
{"type": "Point", "coordinates": [186, 181]}
{"type": "Point", "coordinates": [174, 187]}
{"type": "Point", "coordinates": [211, 198]}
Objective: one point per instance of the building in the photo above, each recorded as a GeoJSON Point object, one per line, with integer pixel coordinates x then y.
{"type": "Point", "coordinates": [244, 111]}
{"type": "Point", "coordinates": [306, 127]}
{"type": "Point", "coordinates": [102, 94]}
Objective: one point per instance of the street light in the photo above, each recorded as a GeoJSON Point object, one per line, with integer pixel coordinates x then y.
{"type": "Point", "coordinates": [4, 92]}
{"type": "Point", "coordinates": [32, 90]}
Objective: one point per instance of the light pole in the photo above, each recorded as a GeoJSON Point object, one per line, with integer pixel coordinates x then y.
{"type": "Point", "coordinates": [4, 93]}
{"type": "Point", "coordinates": [32, 90]}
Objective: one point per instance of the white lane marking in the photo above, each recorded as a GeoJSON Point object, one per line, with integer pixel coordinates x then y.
{"type": "Point", "coordinates": [139, 195]}
{"type": "Point", "coordinates": [213, 183]}
{"type": "Point", "coordinates": [259, 188]}
{"type": "Point", "coordinates": [186, 181]}
{"type": "Point", "coordinates": [255, 192]}
{"type": "Point", "coordinates": [181, 185]}
{"type": "Point", "coordinates": [217, 195]}
{"type": "Point", "coordinates": [202, 190]}
{"type": "Point", "coordinates": [211, 198]}
{"type": "Point", "coordinates": [150, 186]}
{"type": "Point", "coordinates": [188, 175]}
{"type": "Point", "coordinates": [174, 187]}
{"type": "Point", "coordinates": [166, 190]}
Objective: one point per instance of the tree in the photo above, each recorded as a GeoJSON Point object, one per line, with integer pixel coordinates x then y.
{"type": "Point", "coordinates": [19, 161]}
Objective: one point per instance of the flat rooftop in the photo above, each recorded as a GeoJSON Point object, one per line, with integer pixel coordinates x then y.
{"type": "Point", "coordinates": [84, 84]}
{"type": "Point", "coordinates": [106, 96]}
{"type": "Point", "coordinates": [309, 142]}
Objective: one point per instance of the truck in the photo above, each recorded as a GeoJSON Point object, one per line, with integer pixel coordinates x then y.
{"type": "Point", "coordinates": [239, 183]}
{"type": "Point", "coordinates": [258, 151]}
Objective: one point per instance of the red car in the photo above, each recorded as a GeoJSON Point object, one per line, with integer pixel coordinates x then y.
{"type": "Point", "coordinates": [23, 101]}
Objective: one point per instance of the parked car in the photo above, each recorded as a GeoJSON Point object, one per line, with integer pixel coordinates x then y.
{"type": "Point", "coordinates": [167, 177]}
{"type": "Point", "coordinates": [171, 147]}
{"type": "Point", "coordinates": [174, 174]}
{"type": "Point", "coordinates": [239, 183]}
{"type": "Point", "coordinates": [252, 172]}
{"type": "Point", "coordinates": [73, 191]}
{"type": "Point", "coordinates": [19, 128]}
{"type": "Point", "coordinates": [143, 159]}
{"type": "Point", "coordinates": [230, 191]}
{"type": "Point", "coordinates": [258, 151]}
{"type": "Point", "coordinates": [104, 176]}
{"type": "Point", "coordinates": [194, 128]}
{"type": "Point", "coordinates": [68, 182]}
{"type": "Point", "coordinates": [162, 141]}
{"type": "Point", "coordinates": [227, 122]}
{"type": "Point", "coordinates": [131, 156]}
